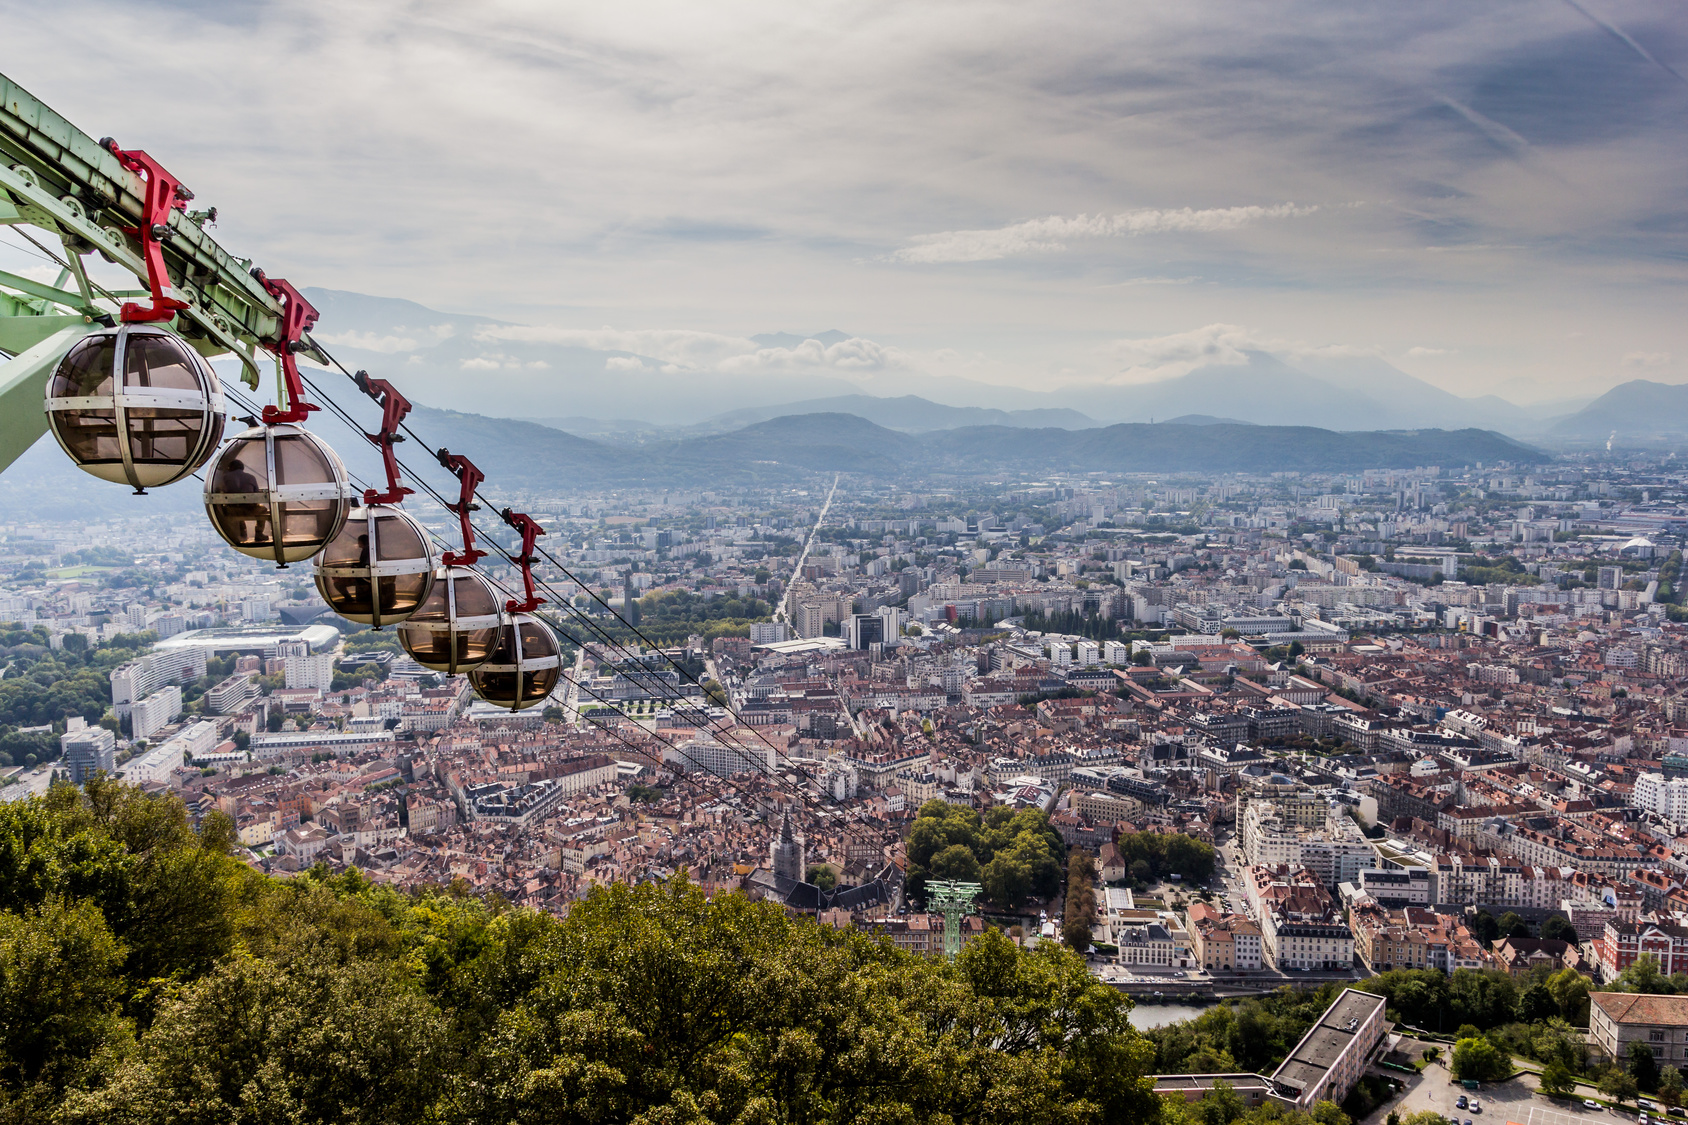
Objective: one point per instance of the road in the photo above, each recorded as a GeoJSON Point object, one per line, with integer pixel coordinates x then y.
{"type": "Point", "coordinates": [797, 571]}
{"type": "Point", "coordinates": [29, 783]}
{"type": "Point", "coordinates": [571, 697]}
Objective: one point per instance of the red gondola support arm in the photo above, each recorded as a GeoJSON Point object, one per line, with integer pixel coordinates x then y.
{"type": "Point", "coordinates": [530, 531]}
{"type": "Point", "coordinates": [394, 407]}
{"type": "Point", "coordinates": [298, 316]}
{"type": "Point", "coordinates": [164, 193]}
{"type": "Point", "coordinates": [469, 479]}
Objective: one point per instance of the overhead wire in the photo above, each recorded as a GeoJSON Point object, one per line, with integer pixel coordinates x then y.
{"type": "Point", "coordinates": [587, 589]}
{"type": "Point", "coordinates": [567, 605]}
{"type": "Point", "coordinates": [344, 417]}
{"type": "Point", "coordinates": [48, 255]}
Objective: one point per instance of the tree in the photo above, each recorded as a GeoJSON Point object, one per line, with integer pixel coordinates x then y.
{"type": "Point", "coordinates": [1643, 1066]}
{"type": "Point", "coordinates": [1140, 870]}
{"type": "Point", "coordinates": [1670, 1086]}
{"type": "Point", "coordinates": [1484, 926]}
{"type": "Point", "coordinates": [1480, 1059]}
{"type": "Point", "coordinates": [1557, 1081]}
{"type": "Point", "coordinates": [1570, 992]}
{"type": "Point", "coordinates": [1329, 1113]}
{"type": "Point", "coordinates": [1080, 907]}
{"type": "Point", "coordinates": [1220, 1105]}
{"type": "Point", "coordinates": [1619, 1085]}
{"type": "Point", "coordinates": [1537, 1003]}
{"type": "Point", "coordinates": [956, 862]}
{"type": "Point", "coordinates": [1559, 928]}
{"type": "Point", "coordinates": [1643, 976]}
{"type": "Point", "coordinates": [821, 876]}
{"type": "Point", "coordinates": [1511, 925]}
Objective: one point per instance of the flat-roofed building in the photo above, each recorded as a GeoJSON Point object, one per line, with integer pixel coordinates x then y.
{"type": "Point", "coordinates": [1333, 1054]}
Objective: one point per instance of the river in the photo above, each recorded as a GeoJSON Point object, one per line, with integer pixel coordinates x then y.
{"type": "Point", "coordinates": [1146, 1015]}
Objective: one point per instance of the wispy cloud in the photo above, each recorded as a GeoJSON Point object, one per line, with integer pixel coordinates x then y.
{"type": "Point", "coordinates": [1647, 359]}
{"type": "Point", "coordinates": [678, 349]}
{"type": "Point", "coordinates": [1055, 232]}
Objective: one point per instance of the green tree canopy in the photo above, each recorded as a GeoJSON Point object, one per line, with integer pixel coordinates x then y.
{"type": "Point", "coordinates": [1480, 1059]}
{"type": "Point", "coordinates": [147, 977]}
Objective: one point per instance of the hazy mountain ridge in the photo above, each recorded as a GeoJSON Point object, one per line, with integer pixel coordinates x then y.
{"type": "Point", "coordinates": [475, 363]}
{"type": "Point", "coordinates": [1637, 412]}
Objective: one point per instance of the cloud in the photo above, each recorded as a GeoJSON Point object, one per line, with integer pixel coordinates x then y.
{"type": "Point", "coordinates": [1426, 353]}
{"type": "Point", "coordinates": [1164, 357]}
{"type": "Point", "coordinates": [1051, 234]}
{"type": "Point", "coordinates": [497, 361]}
{"type": "Point", "coordinates": [677, 350]}
{"type": "Point", "coordinates": [1647, 359]}
{"type": "Point", "coordinates": [389, 344]}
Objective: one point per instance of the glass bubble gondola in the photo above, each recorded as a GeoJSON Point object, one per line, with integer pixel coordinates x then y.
{"type": "Point", "coordinates": [457, 626]}
{"type": "Point", "coordinates": [154, 425]}
{"type": "Point", "coordinates": [525, 667]}
{"type": "Point", "coordinates": [379, 569]}
{"type": "Point", "coordinates": [278, 492]}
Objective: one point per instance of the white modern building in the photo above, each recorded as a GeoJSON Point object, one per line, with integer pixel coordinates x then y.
{"type": "Point", "coordinates": [150, 715]}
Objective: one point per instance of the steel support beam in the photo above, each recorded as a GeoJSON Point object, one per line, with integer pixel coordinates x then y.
{"type": "Point", "coordinates": [23, 387]}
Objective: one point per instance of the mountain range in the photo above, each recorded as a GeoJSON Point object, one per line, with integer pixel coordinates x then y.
{"type": "Point", "coordinates": [608, 384]}
{"type": "Point", "coordinates": [518, 455]}
{"type": "Point", "coordinates": [1639, 412]}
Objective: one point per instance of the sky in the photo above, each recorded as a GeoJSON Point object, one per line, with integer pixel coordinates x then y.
{"type": "Point", "coordinates": [1487, 196]}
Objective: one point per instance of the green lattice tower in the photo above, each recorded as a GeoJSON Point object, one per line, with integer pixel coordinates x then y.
{"type": "Point", "coordinates": [954, 901]}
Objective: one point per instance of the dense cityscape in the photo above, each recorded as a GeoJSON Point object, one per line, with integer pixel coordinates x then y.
{"type": "Point", "coordinates": [1390, 689]}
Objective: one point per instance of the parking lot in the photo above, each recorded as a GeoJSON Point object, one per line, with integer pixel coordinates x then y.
{"type": "Point", "coordinates": [1513, 1101]}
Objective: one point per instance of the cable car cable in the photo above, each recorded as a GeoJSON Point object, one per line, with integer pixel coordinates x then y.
{"type": "Point", "coordinates": [341, 413]}
{"type": "Point", "coordinates": [577, 684]}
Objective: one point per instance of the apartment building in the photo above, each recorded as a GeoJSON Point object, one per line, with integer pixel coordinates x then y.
{"type": "Point", "coordinates": [1618, 1019]}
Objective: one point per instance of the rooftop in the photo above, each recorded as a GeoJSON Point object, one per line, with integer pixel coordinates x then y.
{"type": "Point", "coordinates": [1654, 1011]}
{"type": "Point", "coordinates": [1323, 1045]}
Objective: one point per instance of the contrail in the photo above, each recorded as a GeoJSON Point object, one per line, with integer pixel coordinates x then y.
{"type": "Point", "coordinates": [1623, 37]}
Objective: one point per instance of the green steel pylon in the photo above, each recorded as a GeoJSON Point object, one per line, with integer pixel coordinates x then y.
{"type": "Point", "coordinates": [954, 901]}
{"type": "Point", "coordinates": [80, 199]}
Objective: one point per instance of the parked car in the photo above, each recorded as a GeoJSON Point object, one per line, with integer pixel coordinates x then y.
{"type": "Point", "coordinates": [1476, 1106]}
{"type": "Point", "coordinates": [1461, 1103]}
{"type": "Point", "coordinates": [1591, 1103]}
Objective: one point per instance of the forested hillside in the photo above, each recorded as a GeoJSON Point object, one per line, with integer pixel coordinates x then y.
{"type": "Point", "coordinates": [145, 976]}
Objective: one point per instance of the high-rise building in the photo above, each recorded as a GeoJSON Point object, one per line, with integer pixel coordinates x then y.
{"type": "Point", "coordinates": [150, 715]}
{"type": "Point", "coordinates": [1611, 577]}
{"type": "Point", "coordinates": [315, 670]}
{"type": "Point", "coordinates": [769, 632]}
{"type": "Point", "coordinates": [140, 678]}
{"type": "Point", "coordinates": [866, 629]}
{"type": "Point", "coordinates": [88, 751]}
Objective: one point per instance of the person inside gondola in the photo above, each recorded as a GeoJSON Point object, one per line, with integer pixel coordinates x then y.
{"type": "Point", "coordinates": [237, 479]}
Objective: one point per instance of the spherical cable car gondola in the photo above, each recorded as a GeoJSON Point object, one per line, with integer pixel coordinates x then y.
{"type": "Point", "coordinates": [525, 667]}
{"type": "Point", "coordinates": [136, 405]}
{"type": "Point", "coordinates": [380, 568]}
{"type": "Point", "coordinates": [528, 663]}
{"type": "Point", "coordinates": [458, 624]}
{"type": "Point", "coordinates": [278, 492]}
